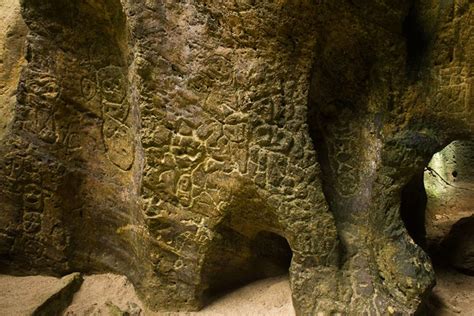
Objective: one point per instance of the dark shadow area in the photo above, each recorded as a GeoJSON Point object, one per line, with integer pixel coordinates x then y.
{"type": "Point", "coordinates": [416, 42]}
{"type": "Point", "coordinates": [272, 254]}
{"type": "Point", "coordinates": [237, 260]}
{"type": "Point", "coordinates": [438, 212]}
{"type": "Point", "coordinates": [413, 207]}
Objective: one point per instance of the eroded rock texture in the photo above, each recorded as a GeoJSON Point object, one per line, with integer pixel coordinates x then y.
{"type": "Point", "coordinates": [176, 142]}
{"type": "Point", "coordinates": [69, 180]}
{"type": "Point", "coordinates": [383, 127]}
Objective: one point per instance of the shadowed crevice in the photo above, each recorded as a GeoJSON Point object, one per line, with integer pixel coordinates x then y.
{"type": "Point", "coordinates": [236, 260]}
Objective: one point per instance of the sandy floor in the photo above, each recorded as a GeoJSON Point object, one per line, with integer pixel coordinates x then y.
{"type": "Point", "coordinates": [103, 294]}
{"type": "Point", "coordinates": [22, 295]}
{"type": "Point", "coordinates": [108, 293]}
{"type": "Point", "coordinates": [453, 294]}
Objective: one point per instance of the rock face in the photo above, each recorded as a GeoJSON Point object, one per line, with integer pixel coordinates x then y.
{"type": "Point", "coordinates": [449, 182]}
{"type": "Point", "coordinates": [194, 145]}
{"type": "Point", "coordinates": [380, 128]}
{"type": "Point", "coordinates": [12, 51]}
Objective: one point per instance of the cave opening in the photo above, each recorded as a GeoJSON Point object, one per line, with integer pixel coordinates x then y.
{"type": "Point", "coordinates": [272, 254]}
{"type": "Point", "coordinates": [417, 40]}
{"type": "Point", "coordinates": [238, 260]}
{"type": "Point", "coordinates": [437, 208]}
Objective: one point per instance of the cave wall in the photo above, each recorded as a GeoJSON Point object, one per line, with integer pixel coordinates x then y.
{"type": "Point", "coordinates": [12, 51]}
{"type": "Point", "coordinates": [407, 94]}
{"type": "Point", "coordinates": [161, 139]}
{"type": "Point", "coordinates": [449, 180]}
{"type": "Point", "coordinates": [69, 173]}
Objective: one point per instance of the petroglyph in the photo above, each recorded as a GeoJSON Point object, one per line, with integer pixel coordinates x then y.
{"type": "Point", "coordinates": [209, 124]}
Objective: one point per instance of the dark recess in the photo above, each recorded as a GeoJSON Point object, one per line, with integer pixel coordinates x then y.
{"type": "Point", "coordinates": [238, 261]}
{"type": "Point", "coordinates": [416, 42]}
{"type": "Point", "coordinates": [413, 207]}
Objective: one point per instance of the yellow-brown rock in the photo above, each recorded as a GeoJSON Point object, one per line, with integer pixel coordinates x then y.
{"type": "Point", "coordinates": [196, 145]}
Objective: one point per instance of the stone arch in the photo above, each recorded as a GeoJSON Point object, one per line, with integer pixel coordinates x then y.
{"type": "Point", "coordinates": [232, 256]}
{"type": "Point", "coordinates": [445, 179]}
{"type": "Point", "coordinates": [436, 208]}
{"type": "Point", "coordinates": [252, 241]}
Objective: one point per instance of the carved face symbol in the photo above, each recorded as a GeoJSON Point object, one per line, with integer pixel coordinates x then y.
{"type": "Point", "coordinates": [219, 68]}
{"type": "Point", "coordinates": [184, 190]}
{"type": "Point", "coordinates": [119, 144]}
{"type": "Point", "coordinates": [112, 84]}
{"type": "Point", "coordinates": [184, 183]}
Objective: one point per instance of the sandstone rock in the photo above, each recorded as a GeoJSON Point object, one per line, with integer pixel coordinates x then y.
{"type": "Point", "coordinates": [175, 142]}
{"type": "Point", "coordinates": [37, 295]}
{"type": "Point", "coordinates": [449, 182]}
{"type": "Point", "coordinates": [105, 294]}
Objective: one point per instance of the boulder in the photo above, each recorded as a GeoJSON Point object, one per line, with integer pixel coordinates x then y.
{"type": "Point", "coordinates": [196, 145]}
{"type": "Point", "coordinates": [37, 295]}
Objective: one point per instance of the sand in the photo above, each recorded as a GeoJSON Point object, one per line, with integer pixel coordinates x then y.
{"type": "Point", "coordinates": [453, 294]}
{"type": "Point", "coordinates": [21, 295]}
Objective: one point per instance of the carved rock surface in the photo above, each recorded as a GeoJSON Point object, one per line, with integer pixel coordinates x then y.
{"type": "Point", "coordinates": [449, 182]}
{"type": "Point", "coordinates": [12, 49]}
{"type": "Point", "coordinates": [194, 145]}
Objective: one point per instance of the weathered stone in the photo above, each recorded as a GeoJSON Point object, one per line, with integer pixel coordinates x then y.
{"type": "Point", "coordinates": [379, 130]}
{"type": "Point", "coordinates": [176, 141]}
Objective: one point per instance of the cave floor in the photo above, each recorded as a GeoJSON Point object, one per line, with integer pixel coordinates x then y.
{"type": "Point", "coordinates": [109, 294]}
